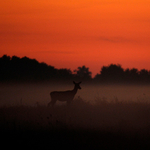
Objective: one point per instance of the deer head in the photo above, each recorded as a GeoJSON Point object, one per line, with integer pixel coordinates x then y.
{"type": "Point", "coordinates": [77, 85]}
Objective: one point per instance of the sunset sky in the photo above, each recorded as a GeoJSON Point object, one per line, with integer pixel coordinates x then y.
{"type": "Point", "coordinates": [72, 33]}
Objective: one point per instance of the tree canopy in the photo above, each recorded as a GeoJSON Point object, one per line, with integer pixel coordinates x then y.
{"type": "Point", "coordinates": [26, 69]}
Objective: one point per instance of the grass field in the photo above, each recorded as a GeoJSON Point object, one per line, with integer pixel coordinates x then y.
{"type": "Point", "coordinates": [102, 124]}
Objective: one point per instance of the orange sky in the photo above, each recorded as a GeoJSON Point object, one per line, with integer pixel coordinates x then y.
{"type": "Point", "coordinates": [72, 33]}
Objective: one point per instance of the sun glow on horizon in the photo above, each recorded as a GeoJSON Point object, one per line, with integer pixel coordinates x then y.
{"type": "Point", "coordinates": [68, 34]}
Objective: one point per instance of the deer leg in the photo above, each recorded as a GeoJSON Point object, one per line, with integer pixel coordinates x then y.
{"type": "Point", "coordinates": [52, 102]}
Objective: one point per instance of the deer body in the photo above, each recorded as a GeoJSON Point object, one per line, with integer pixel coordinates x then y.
{"type": "Point", "coordinates": [64, 95]}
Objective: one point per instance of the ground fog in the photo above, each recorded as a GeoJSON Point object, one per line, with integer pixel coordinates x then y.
{"type": "Point", "coordinates": [32, 94]}
{"type": "Point", "coordinates": [99, 116]}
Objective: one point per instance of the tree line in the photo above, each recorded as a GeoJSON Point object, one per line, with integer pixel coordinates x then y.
{"type": "Point", "coordinates": [115, 73]}
{"type": "Point", "coordinates": [26, 69]}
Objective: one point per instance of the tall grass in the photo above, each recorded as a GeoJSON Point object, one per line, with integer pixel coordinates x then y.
{"type": "Point", "coordinates": [102, 124]}
{"type": "Point", "coordinates": [101, 115]}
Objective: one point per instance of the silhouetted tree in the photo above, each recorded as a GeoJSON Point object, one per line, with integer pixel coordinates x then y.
{"type": "Point", "coordinates": [16, 68]}
{"type": "Point", "coordinates": [83, 73]}
{"type": "Point", "coordinates": [134, 75]}
{"type": "Point", "coordinates": [64, 74]}
{"type": "Point", "coordinates": [112, 72]}
{"type": "Point", "coordinates": [115, 73]}
{"type": "Point", "coordinates": [5, 67]}
{"type": "Point", "coordinates": [97, 77]}
{"type": "Point", "coordinates": [26, 69]}
{"type": "Point", "coordinates": [131, 75]}
{"type": "Point", "coordinates": [144, 75]}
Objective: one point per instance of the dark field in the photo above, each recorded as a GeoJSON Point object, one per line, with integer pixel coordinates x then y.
{"type": "Point", "coordinates": [106, 125]}
{"type": "Point", "coordinates": [103, 117]}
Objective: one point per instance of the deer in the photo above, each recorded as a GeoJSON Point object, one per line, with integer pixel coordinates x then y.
{"type": "Point", "coordinates": [64, 95]}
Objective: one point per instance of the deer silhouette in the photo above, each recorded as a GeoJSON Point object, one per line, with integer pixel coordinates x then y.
{"type": "Point", "coordinates": [64, 95]}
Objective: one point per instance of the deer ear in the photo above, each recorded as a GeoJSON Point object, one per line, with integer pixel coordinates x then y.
{"type": "Point", "coordinates": [74, 82]}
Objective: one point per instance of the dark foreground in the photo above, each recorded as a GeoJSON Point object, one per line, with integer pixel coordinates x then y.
{"type": "Point", "coordinates": [78, 138]}
{"type": "Point", "coordinates": [80, 126]}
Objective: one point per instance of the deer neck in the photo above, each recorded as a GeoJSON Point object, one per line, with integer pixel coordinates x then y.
{"type": "Point", "coordinates": [75, 90]}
